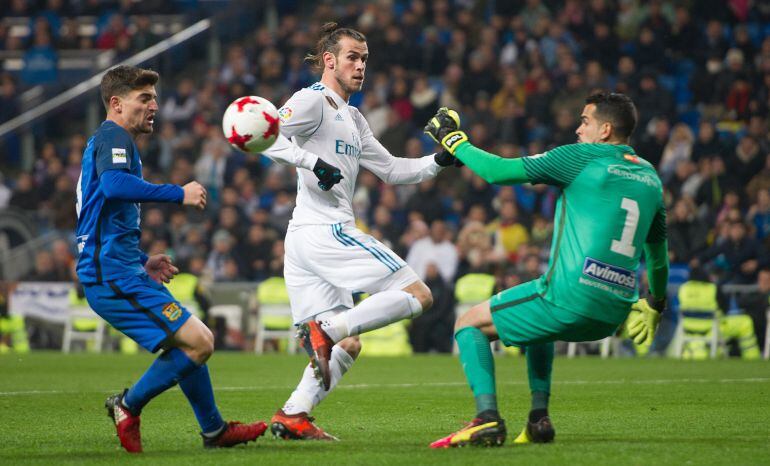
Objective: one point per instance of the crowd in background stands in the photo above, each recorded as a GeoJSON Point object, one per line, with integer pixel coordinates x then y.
{"type": "Point", "coordinates": [699, 73]}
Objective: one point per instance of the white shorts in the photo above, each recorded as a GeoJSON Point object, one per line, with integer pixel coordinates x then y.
{"type": "Point", "coordinates": [325, 264]}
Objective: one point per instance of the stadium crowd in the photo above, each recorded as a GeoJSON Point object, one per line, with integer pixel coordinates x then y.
{"type": "Point", "coordinates": [518, 72]}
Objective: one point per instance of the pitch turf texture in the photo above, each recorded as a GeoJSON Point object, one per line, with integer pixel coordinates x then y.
{"type": "Point", "coordinates": [387, 411]}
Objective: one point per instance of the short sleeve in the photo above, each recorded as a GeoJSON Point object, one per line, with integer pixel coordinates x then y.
{"type": "Point", "coordinates": [302, 114]}
{"type": "Point", "coordinates": [658, 231]}
{"type": "Point", "coordinates": [559, 166]}
{"type": "Point", "coordinates": [113, 152]}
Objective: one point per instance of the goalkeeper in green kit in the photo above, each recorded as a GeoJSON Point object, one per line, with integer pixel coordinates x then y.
{"type": "Point", "coordinates": [610, 212]}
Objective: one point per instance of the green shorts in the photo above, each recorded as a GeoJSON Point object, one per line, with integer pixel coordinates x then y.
{"type": "Point", "coordinates": [522, 317]}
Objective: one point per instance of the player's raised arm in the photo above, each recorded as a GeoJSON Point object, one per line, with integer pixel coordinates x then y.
{"type": "Point", "coordinates": [397, 170]}
{"type": "Point", "coordinates": [444, 129]}
{"type": "Point", "coordinates": [301, 116]}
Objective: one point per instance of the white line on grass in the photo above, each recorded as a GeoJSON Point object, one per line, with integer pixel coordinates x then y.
{"type": "Point", "coordinates": [427, 384]}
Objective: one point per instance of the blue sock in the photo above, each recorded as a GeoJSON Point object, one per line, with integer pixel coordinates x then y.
{"type": "Point", "coordinates": [197, 388]}
{"type": "Point", "coordinates": [167, 370]}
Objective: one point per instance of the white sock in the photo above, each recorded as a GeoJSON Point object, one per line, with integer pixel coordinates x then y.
{"type": "Point", "coordinates": [309, 392]}
{"type": "Point", "coordinates": [374, 312]}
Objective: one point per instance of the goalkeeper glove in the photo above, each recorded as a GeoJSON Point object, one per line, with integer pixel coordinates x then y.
{"type": "Point", "coordinates": [641, 327]}
{"type": "Point", "coordinates": [328, 175]}
{"type": "Point", "coordinates": [443, 123]}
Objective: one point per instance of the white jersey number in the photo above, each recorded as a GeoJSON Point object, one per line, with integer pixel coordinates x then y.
{"type": "Point", "coordinates": [625, 245]}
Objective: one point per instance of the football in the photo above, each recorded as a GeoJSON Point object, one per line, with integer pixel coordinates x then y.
{"type": "Point", "coordinates": [251, 124]}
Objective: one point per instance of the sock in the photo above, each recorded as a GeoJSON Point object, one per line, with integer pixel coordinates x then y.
{"type": "Point", "coordinates": [374, 312]}
{"type": "Point", "coordinates": [539, 367]}
{"type": "Point", "coordinates": [479, 366]}
{"type": "Point", "coordinates": [197, 388]}
{"type": "Point", "coordinates": [309, 393]}
{"type": "Point", "coordinates": [165, 372]}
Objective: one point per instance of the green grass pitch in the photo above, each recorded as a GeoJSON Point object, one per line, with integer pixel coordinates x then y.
{"type": "Point", "coordinates": [387, 411]}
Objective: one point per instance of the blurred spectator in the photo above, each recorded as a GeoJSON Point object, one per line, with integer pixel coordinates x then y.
{"type": "Point", "coordinates": [745, 162]}
{"type": "Point", "coordinates": [508, 232]}
{"type": "Point", "coordinates": [759, 216]}
{"type": "Point", "coordinates": [760, 181]}
{"type": "Point", "coordinates": [40, 60]}
{"type": "Point", "coordinates": [436, 249]}
{"type": "Point", "coordinates": [221, 252]}
{"type": "Point", "coordinates": [115, 29]}
{"type": "Point", "coordinates": [737, 259]}
{"type": "Point", "coordinates": [62, 201]}
{"type": "Point", "coordinates": [433, 329]}
{"type": "Point", "coordinates": [143, 37]}
{"type": "Point", "coordinates": [9, 99]}
{"type": "Point", "coordinates": [45, 269]}
{"type": "Point", "coordinates": [180, 106]}
{"type": "Point", "coordinates": [687, 234]}
{"type": "Point", "coordinates": [756, 303]}
{"type": "Point", "coordinates": [677, 149]}
{"type": "Point", "coordinates": [25, 196]}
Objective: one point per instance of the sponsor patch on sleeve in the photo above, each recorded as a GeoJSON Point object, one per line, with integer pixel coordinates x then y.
{"type": "Point", "coordinates": [609, 274]}
{"type": "Point", "coordinates": [285, 114]}
{"type": "Point", "coordinates": [119, 155]}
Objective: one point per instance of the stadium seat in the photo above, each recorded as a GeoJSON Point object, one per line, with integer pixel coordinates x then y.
{"type": "Point", "coordinates": [607, 345]}
{"type": "Point", "coordinates": [273, 314]}
{"type": "Point", "coordinates": [699, 326]}
{"type": "Point", "coordinates": [472, 289]}
{"type": "Point", "coordinates": [83, 325]}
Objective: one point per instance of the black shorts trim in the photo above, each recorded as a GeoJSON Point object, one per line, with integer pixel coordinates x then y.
{"type": "Point", "coordinates": [135, 304]}
{"type": "Point", "coordinates": [515, 302]}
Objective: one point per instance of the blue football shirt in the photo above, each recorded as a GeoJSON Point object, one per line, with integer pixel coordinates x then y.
{"type": "Point", "coordinates": [108, 229]}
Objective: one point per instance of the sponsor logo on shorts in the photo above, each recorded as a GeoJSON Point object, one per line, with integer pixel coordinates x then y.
{"type": "Point", "coordinates": [172, 311]}
{"type": "Point", "coordinates": [625, 172]}
{"type": "Point", "coordinates": [119, 155]}
{"type": "Point", "coordinates": [609, 273]}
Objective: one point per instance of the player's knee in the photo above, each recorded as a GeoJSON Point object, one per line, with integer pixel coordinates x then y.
{"type": "Point", "coordinates": [204, 345]}
{"type": "Point", "coordinates": [351, 345]}
{"type": "Point", "coordinates": [469, 319]}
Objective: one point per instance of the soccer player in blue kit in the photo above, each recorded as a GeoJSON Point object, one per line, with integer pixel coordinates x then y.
{"type": "Point", "coordinates": [123, 285]}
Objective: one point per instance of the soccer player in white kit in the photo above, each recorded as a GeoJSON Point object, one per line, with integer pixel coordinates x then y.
{"type": "Point", "coordinates": [327, 257]}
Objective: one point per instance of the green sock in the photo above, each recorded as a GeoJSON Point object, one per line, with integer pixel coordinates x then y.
{"type": "Point", "coordinates": [479, 366]}
{"type": "Point", "coordinates": [539, 366]}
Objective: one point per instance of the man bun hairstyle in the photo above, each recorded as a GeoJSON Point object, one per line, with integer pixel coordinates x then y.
{"type": "Point", "coordinates": [616, 109]}
{"type": "Point", "coordinates": [330, 42]}
{"type": "Point", "coordinates": [123, 79]}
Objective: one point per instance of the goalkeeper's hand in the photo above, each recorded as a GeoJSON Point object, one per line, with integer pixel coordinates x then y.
{"type": "Point", "coordinates": [444, 129]}
{"type": "Point", "coordinates": [328, 175]}
{"type": "Point", "coordinates": [643, 325]}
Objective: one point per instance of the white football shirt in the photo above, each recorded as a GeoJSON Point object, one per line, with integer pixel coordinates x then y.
{"type": "Point", "coordinates": [321, 124]}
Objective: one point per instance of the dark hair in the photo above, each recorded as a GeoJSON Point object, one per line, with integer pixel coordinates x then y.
{"type": "Point", "coordinates": [616, 109]}
{"type": "Point", "coordinates": [123, 79]}
{"type": "Point", "coordinates": [330, 42]}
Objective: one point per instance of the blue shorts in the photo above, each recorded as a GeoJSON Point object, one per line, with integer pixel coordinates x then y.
{"type": "Point", "coordinates": [139, 307]}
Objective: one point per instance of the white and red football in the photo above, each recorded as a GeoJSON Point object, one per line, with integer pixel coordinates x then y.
{"type": "Point", "coordinates": [251, 124]}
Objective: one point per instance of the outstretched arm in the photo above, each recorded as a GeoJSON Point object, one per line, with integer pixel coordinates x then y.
{"type": "Point", "coordinates": [492, 168]}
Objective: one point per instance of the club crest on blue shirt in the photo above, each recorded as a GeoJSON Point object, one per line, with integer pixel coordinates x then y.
{"type": "Point", "coordinates": [172, 311]}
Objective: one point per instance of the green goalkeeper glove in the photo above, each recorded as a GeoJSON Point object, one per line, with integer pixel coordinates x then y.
{"type": "Point", "coordinates": [641, 327]}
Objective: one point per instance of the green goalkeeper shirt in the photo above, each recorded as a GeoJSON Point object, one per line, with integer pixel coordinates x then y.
{"type": "Point", "coordinates": [610, 211]}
